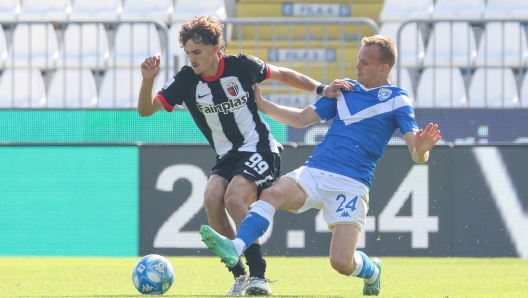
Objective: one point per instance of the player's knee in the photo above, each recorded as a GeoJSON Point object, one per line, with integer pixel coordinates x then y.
{"type": "Point", "coordinates": [272, 196]}
{"type": "Point", "coordinates": [212, 203]}
{"type": "Point", "coordinates": [234, 203]}
{"type": "Point", "coordinates": [341, 265]}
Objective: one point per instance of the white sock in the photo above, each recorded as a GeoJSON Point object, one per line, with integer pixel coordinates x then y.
{"type": "Point", "coordinates": [359, 264]}
{"type": "Point", "coordinates": [374, 276]}
{"type": "Point", "coordinates": [239, 245]}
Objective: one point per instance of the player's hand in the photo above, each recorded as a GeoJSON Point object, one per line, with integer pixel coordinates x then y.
{"type": "Point", "coordinates": [334, 89]}
{"type": "Point", "coordinates": [150, 67]}
{"type": "Point", "coordinates": [426, 138]}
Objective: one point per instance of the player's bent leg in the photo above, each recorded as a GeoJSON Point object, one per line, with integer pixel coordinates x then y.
{"type": "Point", "coordinates": [343, 245]}
{"type": "Point", "coordinates": [284, 194]}
{"type": "Point", "coordinates": [240, 194]}
{"type": "Point", "coordinates": [215, 207]}
{"type": "Point", "coordinates": [220, 245]}
{"type": "Point", "coordinates": [346, 260]}
{"type": "Point", "coordinates": [218, 220]}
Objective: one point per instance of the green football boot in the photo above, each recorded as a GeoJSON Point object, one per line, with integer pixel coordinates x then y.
{"type": "Point", "coordinates": [220, 245]}
{"type": "Point", "coordinates": [375, 288]}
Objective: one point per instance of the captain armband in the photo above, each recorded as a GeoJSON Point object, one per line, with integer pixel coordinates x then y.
{"type": "Point", "coordinates": [320, 89]}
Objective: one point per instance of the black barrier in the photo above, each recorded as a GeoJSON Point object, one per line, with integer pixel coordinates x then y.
{"type": "Point", "coordinates": [447, 207]}
{"type": "Point", "coordinates": [491, 203]}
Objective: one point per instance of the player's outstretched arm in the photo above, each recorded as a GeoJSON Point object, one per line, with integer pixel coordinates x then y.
{"type": "Point", "coordinates": [288, 115]}
{"type": "Point", "coordinates": [420, 142]}
{"type": "Point", "coordinates": [298, 80]}
{"type": "Point", "coordinates": [147, 104]}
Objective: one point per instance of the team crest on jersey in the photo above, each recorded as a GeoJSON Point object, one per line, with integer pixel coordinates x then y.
{"type": "Point", "coordinates": [383, 94]}
{"type": "Point", "coordinates": [232, 88]}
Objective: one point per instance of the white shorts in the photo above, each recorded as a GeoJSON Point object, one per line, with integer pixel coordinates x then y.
{"type": "Point", "coordinates": [343, 199]}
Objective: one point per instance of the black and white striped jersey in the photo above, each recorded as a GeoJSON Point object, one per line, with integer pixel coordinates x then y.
{"type": "Point", "coordinates": [224, 106]}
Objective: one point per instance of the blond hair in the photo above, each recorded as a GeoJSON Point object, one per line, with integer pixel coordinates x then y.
{"type": "Point", "coordinates": [387, 48]}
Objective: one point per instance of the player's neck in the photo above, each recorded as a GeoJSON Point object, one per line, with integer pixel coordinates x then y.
{"type": "Point", "coordinates": [212, 70]}
{"type": "Point", "coordinates": [376, 84]}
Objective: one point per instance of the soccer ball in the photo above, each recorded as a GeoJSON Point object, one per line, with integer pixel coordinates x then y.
{"type": "Point", "coordinates": [153, 274]}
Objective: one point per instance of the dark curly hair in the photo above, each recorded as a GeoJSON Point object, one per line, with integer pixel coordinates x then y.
{"type": "Point", "coordinates": [203, 29]}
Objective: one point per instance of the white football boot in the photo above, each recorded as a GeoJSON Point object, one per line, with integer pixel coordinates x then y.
{"type": "Point", "coordinates": [257, 286]}
{"type": "Point", "coordinates": [239, 288]}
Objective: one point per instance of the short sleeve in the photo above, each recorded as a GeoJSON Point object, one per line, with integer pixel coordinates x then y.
{"type": "Point", "coordinates": [257, 69]}
{"type": "Point", "coordinates": [326, 108]}
{"type": "Point", "coordinates": [404, 113]}
{"type": "Point", "coordinates": [174, 91]}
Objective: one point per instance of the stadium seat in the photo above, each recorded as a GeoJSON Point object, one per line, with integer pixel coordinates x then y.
{"type": "Point", "coordinates": [184, 11]}
{"type": "Point", "coordinates": [459, 9]}
{"type": "Point", "coordinates": [506, 10]}
{"type": "Point", "coordinates": [96, 10]}
{"type": "Point", "coordinates": [493, 88]}
{"type": "Point", "coordinates": [402, 10]}
{"type": "Point", "coordinates": [84, 46]}
{"type": "Point", "coordinates": [3, 48]}
{"type": "Point", "coordinates": [28, 48]}
{"type": "Point", "coordinates": [524, 91]}
{"type": "Point", "coordinates": [441, 87]}
{"type": "Point", "coordinates": [152, 9]}
{"type": "Point", "coordinates": [411, 51]}
{"type": "Point", "coordinates": [502, 45]}
{"type": "Point", "coordinates": [9, 10]}
{"type": "Point", "coordinates": [175, 49]}
{"type": "Point", "coordinates": [405, 81]}
{"type": "Point", "coordinates": [22, 88]}
{"type": "Point", "coordinates": [72, 88]}
{"type": "Point", "coordinates": [120, 88]}
{"type": "Point", "coordinates": [451, 44]}
{"type": "Point", "coordinates": [133, 43]}
{"type": "Point", "coordinates": [48, 10]}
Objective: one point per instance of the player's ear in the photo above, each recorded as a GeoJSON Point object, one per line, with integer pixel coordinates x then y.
{"type": "Point", "coordinates": [385, 68]}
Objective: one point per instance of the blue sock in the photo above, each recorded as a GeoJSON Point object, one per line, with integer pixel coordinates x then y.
{"type": "Point", "coordinates": [368, 267]}
{"type": "Point", "coordinates": [256, 222]}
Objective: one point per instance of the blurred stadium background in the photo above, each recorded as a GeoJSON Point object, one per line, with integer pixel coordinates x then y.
{"type": "Point", "coordinates": [81, 174]}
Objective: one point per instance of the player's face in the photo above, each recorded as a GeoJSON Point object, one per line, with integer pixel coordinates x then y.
{"type": "Point", "coordinates": [368, 67]}
{"type": "Point", "coordinates": [203, 58]}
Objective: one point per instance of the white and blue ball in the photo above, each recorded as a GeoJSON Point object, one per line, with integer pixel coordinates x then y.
{"type": "Point", "coordinates": [153, 275]}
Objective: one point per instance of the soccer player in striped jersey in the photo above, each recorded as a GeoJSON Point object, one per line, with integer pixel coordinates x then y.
{"type": "Point", "coordinates": [217, 90]}
{"type": "Point", "coordinates": [337, 177]}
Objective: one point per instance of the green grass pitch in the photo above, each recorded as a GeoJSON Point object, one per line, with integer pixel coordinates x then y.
{"type": "Point", "coordinates": [295, 277]}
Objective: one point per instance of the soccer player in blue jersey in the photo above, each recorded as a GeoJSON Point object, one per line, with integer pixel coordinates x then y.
{"type": "Point", "coordinates": [337, 177]}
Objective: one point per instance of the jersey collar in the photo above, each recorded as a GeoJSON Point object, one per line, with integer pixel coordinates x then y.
{"type": "Point", "coordinates": [218, 74]}
{"type": "Point", "coordinates": [367, 89]}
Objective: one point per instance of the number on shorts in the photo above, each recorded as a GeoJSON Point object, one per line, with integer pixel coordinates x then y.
{"type": "Point", "coordinates": [350, 205]}
{"type": "Point", "coordinates": [256, 163]}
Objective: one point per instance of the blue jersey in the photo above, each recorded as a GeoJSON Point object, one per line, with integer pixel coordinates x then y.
{"type": "Point", "coordinates": [364, 122]}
